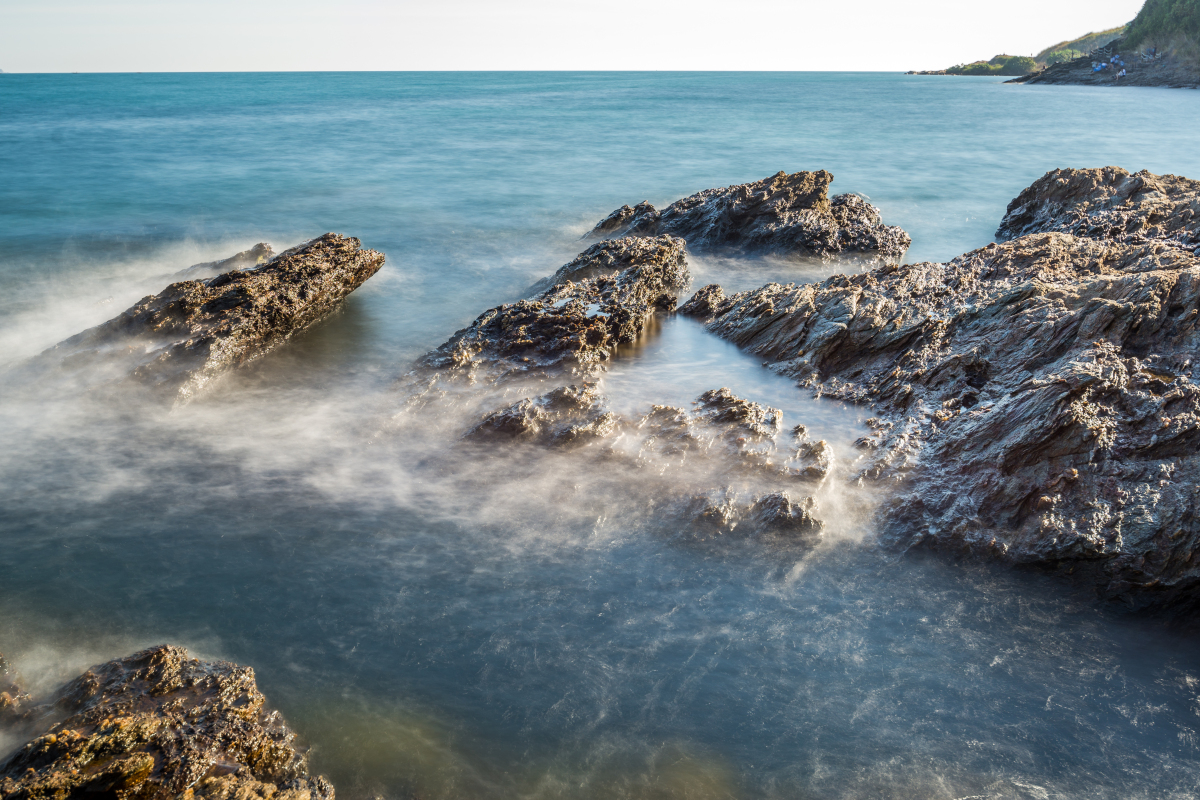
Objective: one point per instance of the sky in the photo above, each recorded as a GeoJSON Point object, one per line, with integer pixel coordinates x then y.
{"type": "Point", "coordinates": [284, 35]}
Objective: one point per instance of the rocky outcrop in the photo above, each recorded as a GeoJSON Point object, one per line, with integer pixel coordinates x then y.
{"type": "Point", "coordinates": [1166, 70]}
{"type": "Point", "coordinates": [177, 342]}
{"type": "Point", "coordinates": [1109, 203]}
{"type": "Point", "coordinates": [247, 259]}
{"type": "Point", "coordinates": [572, 326]}
{"type": "Point", "coordinates": [159, 725]}
{"type": "Point", "coordinates": [1037, 400]}
{"type": "Point", "coordinates": [783, 215]}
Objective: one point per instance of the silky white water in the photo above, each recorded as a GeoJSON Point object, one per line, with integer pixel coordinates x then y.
{"type": "Point", "coordinates": [441, 619]}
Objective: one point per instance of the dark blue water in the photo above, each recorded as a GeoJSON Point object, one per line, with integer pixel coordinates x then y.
{"type": "Point", "coordinates": [443, 622]}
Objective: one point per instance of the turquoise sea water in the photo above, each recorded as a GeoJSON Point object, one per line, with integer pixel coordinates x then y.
{"type": "Point", "coordinates": [446, 623]}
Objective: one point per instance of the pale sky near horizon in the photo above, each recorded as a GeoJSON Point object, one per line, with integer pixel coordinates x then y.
{"type": "Point", "coordinates": [255, 35]}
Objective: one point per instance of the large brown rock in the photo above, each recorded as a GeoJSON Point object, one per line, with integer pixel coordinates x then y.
{"type": "Point", "coordinates": [159, 725]}
{"type": "Point", "coordinates": [178, 341]}
{"type": "Point", "coordinates": [1037, 400]}
{"type": "Point", "coordinates": [783, 215]}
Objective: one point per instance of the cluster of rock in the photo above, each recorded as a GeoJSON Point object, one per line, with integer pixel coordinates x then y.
{"type": "Point", "coordinates": [1036, 399]}
{"type": "Point", "coordinates": [604, 298]}
{"type": "Point", "coordinates": [156, 725]}
{"type": "Point", "coordinates": [784, 215]}
{"type": "Point", "coordinates": [179, 341]}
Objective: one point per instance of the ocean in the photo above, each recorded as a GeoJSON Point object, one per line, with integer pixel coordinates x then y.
{"type": "Point", "coordinates": [443, 621]}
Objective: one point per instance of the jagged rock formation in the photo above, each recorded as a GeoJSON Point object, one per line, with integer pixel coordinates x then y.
{"type": "Point", "coordinates": [159, 725]}
{"type": "Point", "coordinates": [180, 340]}
{"type": "Point", "coordinates": [247, 259]}
{"type": "Point", "coordinates": [572, 326]}
{"type": "Point", "coordinates": [1109, 203]}
{"type": "Point", "coordinates": [783, 215]}
{"type": "Point", "coordinates": [1047, 385]}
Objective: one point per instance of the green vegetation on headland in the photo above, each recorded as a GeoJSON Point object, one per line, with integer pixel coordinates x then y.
{"type": "Point", "coordinates": [1000, 65]}
{"type": "Point", "coordinates": [1162, 27]}
{"type": "Point", "coordinates": [1168, 25]}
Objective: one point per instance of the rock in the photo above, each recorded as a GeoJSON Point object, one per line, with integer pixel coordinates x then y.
{"type": "Point", "coordinates": [611, 257]}
{"type": "Point", "coordinates": [706, 303]}
{"type": "Point", "coordinates": [159, 725]}
{"type": "Point", "coordinates": [1108, 203]}
{"type": "Point", "coordinates": [566, 416]}
{"type": "Point", "coordinates": [783, 215]}
{"type": "Point", "coordinates": [1037, 400]}
{"type": "Point", "coordinates": [738, 418]}
{"type": "Point", "coordinates": [573, 326]}
{"type": "Point", "coordinates": [721, 512]}
{"type": "Point", "coordinates": [180, 340]}
{"type": "Point", "coordinates": [245, 260]}
{"type": "Point", "coordinates": [13, 699]}
{"type": "Point", "coordinates": [778, 513]}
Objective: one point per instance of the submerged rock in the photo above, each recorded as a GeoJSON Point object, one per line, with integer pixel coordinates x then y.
{"type": "Point", "coordinates": [180, 340]}
{"type": "Point", "coordinates": [573, 325]}
{"type": "Point", "coordinates": [1109, 203]}
{"type": "Point", "coordinates": [783, 215]}
{"type": "Point", "coordinates": [1048, 385]}
{"type": "Point", "coordinates": [159, 725]}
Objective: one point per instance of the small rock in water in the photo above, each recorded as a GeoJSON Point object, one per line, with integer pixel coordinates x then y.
{"type": "Point", "coordinates": [568, 415]}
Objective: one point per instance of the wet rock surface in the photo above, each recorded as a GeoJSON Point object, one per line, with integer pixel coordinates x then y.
{"type": "Point", "coordinates": [1109, 203]}
{"type": "Point", "coordinates": [1037, 399]}
{"type": "Point", "coordinates": [178, 341]}
{"type": "Point", "coordinates": [572, 326]}
{"type": "Point", "coordinates": [783, 215]}
{"type": "Point", "coordinates": [159, 724]}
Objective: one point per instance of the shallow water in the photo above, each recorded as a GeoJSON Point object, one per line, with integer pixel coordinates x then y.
{"type": "Point", "coordinates": [439, 620]}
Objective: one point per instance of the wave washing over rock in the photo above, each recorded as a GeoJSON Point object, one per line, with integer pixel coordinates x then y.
{"type": "Point", "coordinates": [179, 341]}
{"type": "Point", "coordinates": [783, 215]}
{"type": "Point", "coordinates": [1036, 400]}
{"type": "Point", "coordinates": [154, 725]}
{"type": "Point", "coordinates": [604, 298]}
